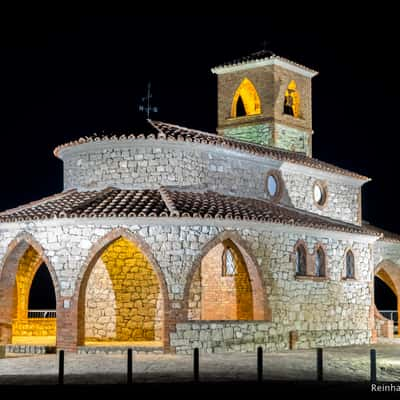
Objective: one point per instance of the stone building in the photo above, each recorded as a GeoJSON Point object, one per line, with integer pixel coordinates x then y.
{"type": "Point", "coordinates": [175, 238]}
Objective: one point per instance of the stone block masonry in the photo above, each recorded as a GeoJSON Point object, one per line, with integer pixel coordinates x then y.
{"type": "Point", "coordinates": [235, 336]}
{"type": "Point", "coordinates": [123, 300]}
{"type": "Point", "coordinates": [332, 309]}
{"type": "Point", "coordinates": [149, 164]}
{"type": "Point", "coordinates": [34, 327]}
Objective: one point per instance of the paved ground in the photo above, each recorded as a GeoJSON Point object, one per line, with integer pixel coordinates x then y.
{"type": "Point", "coordinates": [340, 364]}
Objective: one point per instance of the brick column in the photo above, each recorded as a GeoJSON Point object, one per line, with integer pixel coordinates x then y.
{"type": "Point", "coordinates": [67, 325]}
{"type": "Point", "coordinates": [173, 316]}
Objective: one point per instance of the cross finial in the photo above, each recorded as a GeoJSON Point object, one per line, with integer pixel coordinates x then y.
{"type": "Point", "coordinates": [146, 103]}
{"type": "Point", "coordinates": [265, 43]}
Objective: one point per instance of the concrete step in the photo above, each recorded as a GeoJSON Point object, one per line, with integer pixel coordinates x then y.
{"type": "Point", "coordinates": [30, 349]}
{"type": "Point", "coordinates": [119, 349]}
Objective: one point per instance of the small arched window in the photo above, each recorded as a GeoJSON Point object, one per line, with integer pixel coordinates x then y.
{"type": "Point", "coordinates": [291, 104]}
{"type": "Point", "coordinates": [320, 267]}
{"type": "Point", "coordinates": [228, 263]}
{"type": "Point", "coordinates": [301, 260]}
{"type": "Point", "coordinates": [246, 100]}
{"type": "Point", "coordinates": [350, 272]}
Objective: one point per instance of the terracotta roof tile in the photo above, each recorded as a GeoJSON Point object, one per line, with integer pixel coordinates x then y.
{"type": "Point", "coordinates": [172, 132]}
{"type": "Point", "coordinates": [180, 133]}
{"type": "Point", "coordinates": [106, 203]}
{"type": "Point", "coordinates": [386, 236]}
{"type": "Point", "coordinates": [215, 205]}
{"type": "Point", "coordinates": [166, 202]}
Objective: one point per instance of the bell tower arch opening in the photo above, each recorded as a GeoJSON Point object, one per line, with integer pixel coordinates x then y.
{"type": "Point", "coordinates": [246, 100]}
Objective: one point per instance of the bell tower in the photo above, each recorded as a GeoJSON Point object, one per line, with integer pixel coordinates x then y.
{"type": "Point", "coordinates": [266, 99]}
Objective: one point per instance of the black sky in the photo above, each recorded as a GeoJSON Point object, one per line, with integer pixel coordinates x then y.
{"type": "Point", "coordinates": [63, 77]}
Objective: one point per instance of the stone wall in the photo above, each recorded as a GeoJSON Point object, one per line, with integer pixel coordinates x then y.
{"type": "Point", "coordinates": [194, 302]}
{"type": "Point", "coordinates": [292, 139]}
{"type": "Point", "coordinates": [254, 133]}
{"type": "Point", "coordinates": [233, 336]}
{"type": "Point", "coordinates": [138, 164]}
{"type": "Point", "coordinates": [101, 306]}
{"type": "Point", "coordinates": [339, 307]}
{"type": "Point", "coordinates": [34, 327]}
{"type": "Point", "coordinates": [383, 326]}
{"type": "Point", "coordinates": [123, 296]}
{"type": "Point", "coordinates": [343, 202]}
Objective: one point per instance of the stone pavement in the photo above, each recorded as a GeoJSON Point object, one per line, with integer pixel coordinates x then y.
{"type": "Point", "coordinates": [340, 364]}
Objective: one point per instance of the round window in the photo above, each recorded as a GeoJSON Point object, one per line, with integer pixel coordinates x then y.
{"type": "Point", "coordinates": [272, 185]}
{"type": "Point", "coordinates": [319, 193]}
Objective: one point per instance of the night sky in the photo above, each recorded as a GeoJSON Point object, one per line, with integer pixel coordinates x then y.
{"type": "Point", "coordinates": [62, 77]}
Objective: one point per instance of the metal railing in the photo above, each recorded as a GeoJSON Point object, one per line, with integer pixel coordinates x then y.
{"type": "Point", "coordinates": [390, 314]}
{"type": "Point", "coordinates": [42, 314]}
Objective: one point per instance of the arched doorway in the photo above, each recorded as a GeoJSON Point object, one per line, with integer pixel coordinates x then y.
{"type": "Point", "coordinates": [121, 297]}
{"type": "Point", "coordinates": [19, 273]}
{"type": "Point", "coordinates": [386, 292]}
{"type": "Point", "coordinates": [226, 284]}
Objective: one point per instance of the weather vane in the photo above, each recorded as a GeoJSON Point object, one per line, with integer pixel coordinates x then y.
{"type": "Point", "coordinates": [146, 103]}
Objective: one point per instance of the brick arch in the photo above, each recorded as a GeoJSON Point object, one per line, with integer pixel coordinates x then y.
{"type": "Point", "coordinates": [8, 272]}
{"type": "Point", "coordinates": [389, 273]}
{"type": "Point", "coordinates": [393, 272]}
{"type": "Point", "coordinates": [94, 254]}
{"type": "Point", "coordinates": [260, 301]}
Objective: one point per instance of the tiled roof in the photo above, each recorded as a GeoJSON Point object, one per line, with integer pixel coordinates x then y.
{"type": "Point", "coordinates": [166, 202]}
{"type": "Point", "coordinates": [105, 203]}
{"type": "Point", "coordinates": [386, 235]}
{"type": "Point", "coordinates": [260, 56]}
{"type": "Point", "coordinates": [172, 132]}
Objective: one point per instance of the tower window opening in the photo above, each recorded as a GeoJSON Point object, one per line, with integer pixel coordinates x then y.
{"type": "Point", "coordinates": [291, 105]}
{"type": "Point", "coordinates": [246, 100]}
{"type": "Point", "coordinates": [240, 110]}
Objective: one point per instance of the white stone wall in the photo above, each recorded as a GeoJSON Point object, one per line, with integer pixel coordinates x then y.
{"type": "Point", "coordinates": [333, 312]}
{"type": "Point", "coordinates": [149, 164]}
{"type": "Point", "coordinates": [386, 251]}
{"type": "Point", "coordinates": [342, 198]}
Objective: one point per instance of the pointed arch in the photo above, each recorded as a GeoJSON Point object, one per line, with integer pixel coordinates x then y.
{"type": "Point", "coordinates": [231, 239]}
{"type": "Point", "coordinates": [300, 258]}
{"type": "Point", "coordinates": [95, 254]}
{"type": "Point", "coordinates": [349, 264]}
{"type": "Point", "coordinates": [389, 273]}
{"type": "Point", "coordinates": [246, 97]}
{"type": "Point", "coordinates": [291, 104]}
{"type": "Point", "coordinates": [320, 260]}
{"type": "Point", "coordinates": [23, 252]}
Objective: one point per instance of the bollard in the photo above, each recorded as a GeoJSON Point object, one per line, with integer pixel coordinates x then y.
{"type": "Point", "coordinates": [130, 367]}
{"type": "Point", "coordinates": [259, 364]}
{"type": "Point", "coordinates": [373, 365]}
{"type": "Point", "coordinates": [320, 370]}
{"type": "Point", "coordinates": [61, 367]}
{"type": "Point", "coordinates": [196, 364]}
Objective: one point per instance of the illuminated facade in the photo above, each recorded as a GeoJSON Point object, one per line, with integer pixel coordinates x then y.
{"type": "Point", "coordinates": [174, 238]}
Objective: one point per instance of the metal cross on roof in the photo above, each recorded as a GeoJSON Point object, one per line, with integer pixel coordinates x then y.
{"type": "Point", "coordinates": [146, 103]}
